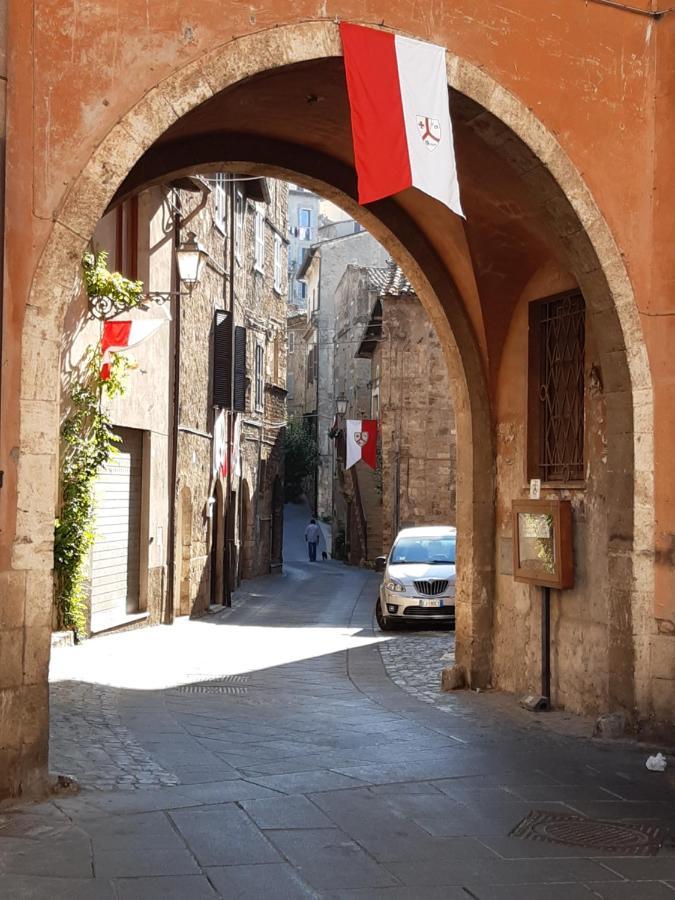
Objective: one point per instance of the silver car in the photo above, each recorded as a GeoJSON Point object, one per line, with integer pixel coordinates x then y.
{"type": "Point", "coordinates": [418, 577]}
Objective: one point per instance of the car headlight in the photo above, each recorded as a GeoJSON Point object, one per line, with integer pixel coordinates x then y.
{"type": "Point", "coordinates": [391, 584]}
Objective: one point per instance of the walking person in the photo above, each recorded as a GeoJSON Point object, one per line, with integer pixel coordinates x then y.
{"type": "Point", "coordinates": [312, 536]}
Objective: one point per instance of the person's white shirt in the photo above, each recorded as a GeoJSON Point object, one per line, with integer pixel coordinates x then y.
{"type": "Point", "coordinates": [312, 533]}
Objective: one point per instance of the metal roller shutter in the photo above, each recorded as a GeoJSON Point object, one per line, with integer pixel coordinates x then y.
{"type": "Point", "coordinates": [115, 557]}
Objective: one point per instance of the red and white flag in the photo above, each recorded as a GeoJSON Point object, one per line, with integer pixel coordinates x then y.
{"type": "Point", "coordinates": [361, 442]}
{"type": "Point", "coordinates": [398, 95]}
{"type": "Point", "coordinates": [122, 334]}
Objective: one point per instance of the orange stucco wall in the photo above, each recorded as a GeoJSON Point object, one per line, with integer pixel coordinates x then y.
{"type": "Point", "coordinates": [591, 73]}
{"type": "Point", "coordinates": [598, 78]}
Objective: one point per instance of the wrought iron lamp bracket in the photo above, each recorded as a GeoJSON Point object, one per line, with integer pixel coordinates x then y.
{"type": "Point", "coordinates": [108, 307]}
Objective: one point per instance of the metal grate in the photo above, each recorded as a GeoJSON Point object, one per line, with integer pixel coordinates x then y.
{"type": "Point", "coordinates": [431, 588]}
{"type": "Point", "coordinates": [624, 838]}
{"type": "Point", "coordinates": [422, 611]}
{"type": "Point", "coordinates": [561, 333]}
{"type": "Point", "coordinates": [212, 689]}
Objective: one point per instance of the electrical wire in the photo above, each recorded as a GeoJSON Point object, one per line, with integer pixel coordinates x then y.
{"type": "Point", "coordinates": [650, 13]}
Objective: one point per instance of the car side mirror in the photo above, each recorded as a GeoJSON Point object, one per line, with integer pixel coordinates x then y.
{"type": "Point", "coordinates": [380, 563]}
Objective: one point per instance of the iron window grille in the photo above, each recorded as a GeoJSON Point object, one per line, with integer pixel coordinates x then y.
{"type": "Point", "coordinates": [557, 342]}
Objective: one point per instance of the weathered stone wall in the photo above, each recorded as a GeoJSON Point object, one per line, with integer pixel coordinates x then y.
{"type": "Point", "coordinates": [417, 421]}
{"type": "Point", "coordinates": [262, 309]}
{"type": "Point", "coordinates": [354, 299]}
{"type": "Point", "coordinates": [297, 374]}
{"type": "Point", "coordinates": [335, 255]}
{"type": "Point", "coordinates": [587, 629]}
{"type": "Point", "coordinates": [195, 479]}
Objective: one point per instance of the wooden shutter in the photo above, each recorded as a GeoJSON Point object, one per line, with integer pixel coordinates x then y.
{"type": "Point", "coordinates": [240, 368]}
{"type": "Point", "coordinates": [222, 359]}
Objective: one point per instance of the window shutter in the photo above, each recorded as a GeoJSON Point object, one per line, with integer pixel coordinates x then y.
{"type": "Point", "coordinates": [240, 368]}
{"type": "Point", "coordinates": [222, 359]}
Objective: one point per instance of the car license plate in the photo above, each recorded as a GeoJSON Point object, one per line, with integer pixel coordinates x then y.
{"type": "Point", "coordinates": [428, 603]}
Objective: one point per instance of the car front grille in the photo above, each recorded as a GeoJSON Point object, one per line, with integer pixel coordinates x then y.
{"type": "Point", "coordinates": [429, 611]}
{"type": "Point", "coordinates": [431, 588]}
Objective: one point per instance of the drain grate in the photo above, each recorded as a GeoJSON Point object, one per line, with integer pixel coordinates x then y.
{"type": "Point", "coordinates": [212, 689]}
{"type": "Point", "coordinates": [625, 838]}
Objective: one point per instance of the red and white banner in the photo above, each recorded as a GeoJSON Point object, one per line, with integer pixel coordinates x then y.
{"type": "Point", "coordinates": [361, 442]}
{"type": "Point", "coordinates": [122, 334]}
{"type": "Point", "coordinates": [220, 461]}
{"type": "Point", "coordinates": [400, 112]}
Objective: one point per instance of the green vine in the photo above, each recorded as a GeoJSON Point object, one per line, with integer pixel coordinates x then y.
{"type": "Point", "coordinates": [99, 281]}
{"type": "Point", "coordinates": [88, 443]}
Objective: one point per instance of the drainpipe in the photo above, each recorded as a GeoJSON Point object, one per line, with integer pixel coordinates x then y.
{"type": "Point", "coordinates": [170, 612]}
{"type": "Point", "coordinates": [229, 576]}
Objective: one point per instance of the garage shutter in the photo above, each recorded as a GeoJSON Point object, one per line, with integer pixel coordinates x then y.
{"type": "Point", "coordinates": [115, 558]}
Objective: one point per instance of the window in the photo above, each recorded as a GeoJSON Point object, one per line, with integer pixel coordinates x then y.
{"type": "Point", "coordinates": [305, 224]}
{"type": "Point", "coordinates": [259, 239]}
{"type": "Point", "coordinates": [259, 376]}
{"type": "Point", "coordinates": [278, 267]}
{"type": "Point", "coordinates": [218, 183]}
{"type": "Point", "coordinates": [289, 385]}
{"type": "Point", "coordinates": [303, 290]}
{"type": "Point", "coordinates": [375, 405]}
{"type": "Point", "coordinates": [126, 238]}
{"type": "Point", "coordinates": [239, 224]}
{"type": "Point", "coordinates": [556, 388]}
{"type": "Point", "coordinates": [291, 342]}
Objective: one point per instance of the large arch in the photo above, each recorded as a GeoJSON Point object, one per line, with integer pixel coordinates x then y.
{"type": "Point", "coordinates": [436, 259]}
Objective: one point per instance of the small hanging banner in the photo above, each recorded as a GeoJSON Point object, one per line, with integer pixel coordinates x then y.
{"type": "Point", "coordinates": [361, 442]}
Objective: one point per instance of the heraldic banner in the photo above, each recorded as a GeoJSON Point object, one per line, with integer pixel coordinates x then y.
{"type": "Point", "coordinates": [361, 442]}
{"type": "Point", "coordinates": [400, 113]}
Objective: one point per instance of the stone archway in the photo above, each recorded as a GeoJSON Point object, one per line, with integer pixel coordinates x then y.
{"type": "Point", "coordinates": [584, 237]}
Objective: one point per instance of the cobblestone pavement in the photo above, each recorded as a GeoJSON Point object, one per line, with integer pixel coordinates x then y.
{"type": "Point", "coordinates": [304, 771]}
{"type": "Point", "coordinates": [89, 742]}
{"type": "Point", "coordinates": [414, 661]}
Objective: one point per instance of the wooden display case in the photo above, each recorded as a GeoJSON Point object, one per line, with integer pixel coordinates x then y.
{"type": "Point", "coordinates": [542, 543]}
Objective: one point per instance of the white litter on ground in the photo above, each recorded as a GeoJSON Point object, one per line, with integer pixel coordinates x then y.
{"type": "Point", "coordinates": [657, 763]}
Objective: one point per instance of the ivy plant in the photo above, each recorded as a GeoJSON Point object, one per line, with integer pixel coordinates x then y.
{"type": "Point", "coordinates": [122, 293]}
{"type": "Point", "coordinates": [88, 443]}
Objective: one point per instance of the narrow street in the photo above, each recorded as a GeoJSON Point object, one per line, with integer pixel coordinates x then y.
{"type": "Point", "coordinates": [266, 751]}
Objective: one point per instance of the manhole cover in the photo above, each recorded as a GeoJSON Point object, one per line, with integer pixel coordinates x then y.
{"type": "Point", "coordinates": [626, 838]}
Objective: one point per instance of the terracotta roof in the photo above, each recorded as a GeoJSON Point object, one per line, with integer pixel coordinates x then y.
{"type": "Point", "coordinates": [396, 283]}
{"type": "Point", "coordinates": [377, 278]}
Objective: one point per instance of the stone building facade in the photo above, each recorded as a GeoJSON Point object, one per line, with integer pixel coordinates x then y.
{"type": "Point", "coordinates": [296, 323]}
{"type": "Point", "coordinates": [390, 367]}
{"type": "Point", "coordinates": [324, 266]}
{"type": "Point", "coordinates": [410, 393]}
{"type": "Point", "coordinates": [260, 292]}
{"type": "Point", "coordinates": [166, 542]}
{"type": "Point", "coordinates": [303, 225]}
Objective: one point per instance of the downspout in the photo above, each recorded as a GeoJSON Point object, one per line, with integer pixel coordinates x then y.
{"type": "Point", "coordinates": [170, 611]}
{"type": "Point", "coordinates": [230, 576]}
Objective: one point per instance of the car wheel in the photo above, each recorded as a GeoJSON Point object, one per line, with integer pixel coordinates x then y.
{"type": "Point", "coordinates": [383, 622]}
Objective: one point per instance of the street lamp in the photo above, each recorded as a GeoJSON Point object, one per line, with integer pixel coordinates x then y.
{"type": "Point", "coordinates": [341, 404]}
{"type": "Point", "coordinates": [190, 256]}
{"type": "Point", "coordinates": [190, 259]}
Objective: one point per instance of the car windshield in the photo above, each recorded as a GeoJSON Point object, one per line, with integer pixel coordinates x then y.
{"type": "Point", "coordinates": [434, 551]}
